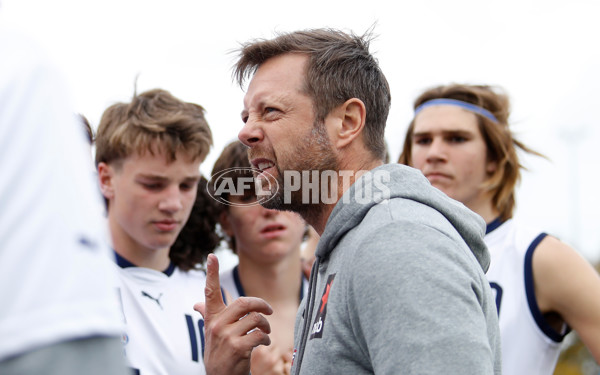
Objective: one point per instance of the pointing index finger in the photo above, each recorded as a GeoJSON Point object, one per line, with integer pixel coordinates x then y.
{"type": "Point", "coordinates": [213, 299]}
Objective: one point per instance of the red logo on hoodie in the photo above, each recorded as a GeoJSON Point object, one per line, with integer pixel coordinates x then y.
{"type": "Point", "coordinates": [319, 323]}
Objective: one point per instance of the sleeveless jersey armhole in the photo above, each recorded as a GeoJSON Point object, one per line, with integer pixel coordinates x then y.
{"type": "Point", "coordinates": [531, 298]}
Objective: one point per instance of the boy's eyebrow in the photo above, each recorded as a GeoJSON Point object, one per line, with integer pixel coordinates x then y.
{"type": "Point", "coordinates": [422, 134]}
{"type": "Point", "coordinates": [444, 132]}
{"type": "Point", "coordinates": [192, 179]}
{"type": "Point", "coordinates": [153, 177]}
{"type": "Point", "coordinates": [417, 134]}
{"type": "Point", "coordinates": [458, 132]}
{"type": "Point", "coordinates": [163, 178]}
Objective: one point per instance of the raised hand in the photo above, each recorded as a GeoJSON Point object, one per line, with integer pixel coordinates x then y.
{"type": "Point", "coordinates": [231, 331]}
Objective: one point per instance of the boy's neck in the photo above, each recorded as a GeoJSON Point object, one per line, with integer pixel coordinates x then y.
{"type": "Point", "coordinates": [154, 259]}
{"type": "Point", "coordinates": [486, 210]}
{"type": "Point", "coordinates": [128, 248]}
{"type": "Point", "coordinates": [275, 282]}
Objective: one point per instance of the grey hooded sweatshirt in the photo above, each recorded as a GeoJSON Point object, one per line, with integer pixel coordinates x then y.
{"type": "Point", "coordinates": [398, 285]}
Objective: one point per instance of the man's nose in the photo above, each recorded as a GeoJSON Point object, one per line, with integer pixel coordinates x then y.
{"type": "Point", "coordinates": [251, 133]}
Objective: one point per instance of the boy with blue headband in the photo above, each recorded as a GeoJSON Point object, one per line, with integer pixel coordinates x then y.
{"type": "Point", "coordinates": [461, 141]}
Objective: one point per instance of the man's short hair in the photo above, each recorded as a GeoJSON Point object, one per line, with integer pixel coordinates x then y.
{"type": "Point", "coordinates": [339, 68]}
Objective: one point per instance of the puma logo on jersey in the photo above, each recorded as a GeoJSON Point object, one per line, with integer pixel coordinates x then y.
{"type": "Point", "coordinates": [157, 300]}
{"type": "Point", "coordinates": [87, 242]}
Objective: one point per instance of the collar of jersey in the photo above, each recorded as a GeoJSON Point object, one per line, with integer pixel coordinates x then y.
{"type": "Point", "coordinates": [493, 225]}
{"type": "Point", "coordinates": [124, 263]}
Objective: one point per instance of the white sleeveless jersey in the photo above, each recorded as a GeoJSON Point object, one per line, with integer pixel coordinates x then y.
{"type": "Point", "coordinates": [56, 273]}
{"type": "Point", "coordinates": [164, 334]}
{"type": "Point", "coordinates": [230, 281]}
{"type": "Point", "coordinates": [529, 345]}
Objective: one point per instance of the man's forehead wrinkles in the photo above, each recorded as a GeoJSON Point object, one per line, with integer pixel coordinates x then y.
{"type": "Point", "coordinates": [265, 98]}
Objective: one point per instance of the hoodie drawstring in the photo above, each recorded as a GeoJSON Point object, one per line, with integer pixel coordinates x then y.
{"type": "Point", "coordinates": [308, 310]}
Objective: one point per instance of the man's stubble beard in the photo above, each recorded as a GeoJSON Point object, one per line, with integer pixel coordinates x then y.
{"type": "Point", "coordinates": [314, 154]}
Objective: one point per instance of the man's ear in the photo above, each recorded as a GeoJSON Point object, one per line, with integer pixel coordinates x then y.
{"type": "Point", "coordinates": [225, 223]}
{"type": "Point", "coordinates": [352, 114]}
{"type": "Point", "coordinates": [106, 175]}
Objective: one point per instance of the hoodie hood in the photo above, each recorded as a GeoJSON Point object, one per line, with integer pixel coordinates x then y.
{"type": "Point", "coordinates": [400, 181]}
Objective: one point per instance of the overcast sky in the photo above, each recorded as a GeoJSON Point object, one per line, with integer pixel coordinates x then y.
{"type": "Point", "coordinates": [544, 53]}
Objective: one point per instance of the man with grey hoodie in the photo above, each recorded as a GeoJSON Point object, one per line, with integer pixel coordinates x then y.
{"type": "Point", "coordinates": [398, 285]}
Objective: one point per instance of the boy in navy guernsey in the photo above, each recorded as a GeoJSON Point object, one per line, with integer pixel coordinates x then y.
{"type": "Point", "coordinates": [148, 154]}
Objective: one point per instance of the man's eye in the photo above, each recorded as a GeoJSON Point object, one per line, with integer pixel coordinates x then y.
{"type": "Point", "coordinates": [423, 141]}
{"type": "Point", "coordinates": [269, 110]}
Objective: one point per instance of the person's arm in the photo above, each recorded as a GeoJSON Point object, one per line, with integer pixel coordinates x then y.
{"type": "Point", "coordinates": [567, 284]}
{"type": "Point", "coordinates": [231, 331]}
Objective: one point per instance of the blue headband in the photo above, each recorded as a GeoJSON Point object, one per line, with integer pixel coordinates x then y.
{"type": "Point", "coordinates": [468, 106]}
